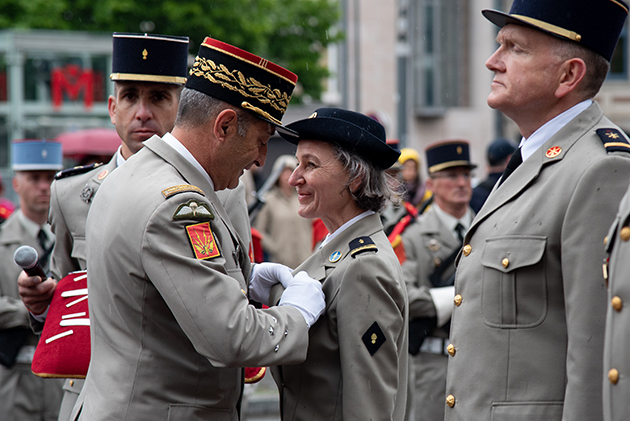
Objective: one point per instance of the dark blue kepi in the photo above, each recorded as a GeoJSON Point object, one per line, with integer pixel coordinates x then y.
{"type": "Point", "coordinates": [595, 24]}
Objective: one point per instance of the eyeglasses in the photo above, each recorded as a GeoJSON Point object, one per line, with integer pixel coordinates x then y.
{"type": "Point", "coordinates": [452, 175]}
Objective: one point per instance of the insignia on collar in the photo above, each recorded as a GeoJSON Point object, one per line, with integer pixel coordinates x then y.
{"type": "Point", "coordinates": [361, 245]}
{"type": "Point", "coordinates": [202, 241]}
{"type": "Point", "coordinates": [76, 170]}
{"type": "Point", "coordinates": [335, 256]}
{"type": "Point", "coordinates": [86, 194]}
{"type": "Point", "coordinates": [193, 210]}
{"type": "Point", "coordinates": [613, 140]}
{"type": "Point", "coordinates": [373, 338]}
{"type": "Point", "coordinates": [103, 174]}
{"type": "Point", "coordinates": [553, 152]}
{"type": "Point", "coordinates": [182, 188]}
{"type": "Point", "coordinates": [434, 245]}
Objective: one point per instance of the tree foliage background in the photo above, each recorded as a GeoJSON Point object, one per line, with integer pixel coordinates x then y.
{"type": "Point", "coordinates": [291, 33]}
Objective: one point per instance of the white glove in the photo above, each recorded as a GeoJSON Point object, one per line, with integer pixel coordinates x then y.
{"type": "Point", "coordinates": [305, 294]}
{"type": "Point", "coordinates": [264, 276]}
{"type": "Point", "coordinates": [443, 302]}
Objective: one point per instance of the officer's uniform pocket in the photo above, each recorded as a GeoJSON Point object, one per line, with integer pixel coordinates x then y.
{"type": "Point", "coordinates": [514, 291]}
{"type": "Point", "coordinates": [526, 411]}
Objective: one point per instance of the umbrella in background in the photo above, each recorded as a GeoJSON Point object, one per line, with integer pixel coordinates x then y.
{"type": "Point", "coordinates": [80, 145]}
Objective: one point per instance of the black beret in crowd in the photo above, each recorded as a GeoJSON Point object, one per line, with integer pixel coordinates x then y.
{"type": "Point", "coordinates": [595, 24]}
{"type": "Point", "coordinates": [243, 79]}
{"type": "Point", "coordinates": [353, 131]}
{"type": "Point", "coordinates": [149, 58]}
{"type": "Point", "coordinates": [500, 149]}
{"type": "Point", "coordinates": [448, 154]}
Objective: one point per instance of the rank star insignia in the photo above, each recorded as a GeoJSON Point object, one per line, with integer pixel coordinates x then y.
{"type": "Point", "coordinates": [553, 151]}
{"type": "Point", "coordinates": [193, 210]}
{"type": "Point", "coordinates": [202, 241]}
{"type": "Point", "coordinates": [612, 135]}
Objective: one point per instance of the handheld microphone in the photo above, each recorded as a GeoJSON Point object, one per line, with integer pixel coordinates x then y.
{"type": "Point", "coordinates": [26, 258]}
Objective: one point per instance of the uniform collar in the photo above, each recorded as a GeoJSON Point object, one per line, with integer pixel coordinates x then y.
{"type": "Point", "coordinates": [345, 226]}
{"type": "Point", "coordinates": [32, 227]}
{"type": "Point", "coordinates": [172, 141]}
{"type": "Point", "coordinates": [450, 222]}
{"type": "Point", "coordinates": [546, 131]}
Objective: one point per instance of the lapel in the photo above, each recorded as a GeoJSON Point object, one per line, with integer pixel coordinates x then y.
{"type": "Point", "coordinates": [192, 176]}
{"type": "Point", "coordinates": [529, 170]}
{"type": "Point", "coordinates": [320, 261]}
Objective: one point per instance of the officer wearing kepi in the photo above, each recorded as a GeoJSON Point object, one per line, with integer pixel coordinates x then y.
{"type": "Point", "coordinates": [168, 272]}
{"type": "Point", "coordinates": [527, 329]}
{"type": "Point", "coordinates": [431, 245]}
{"type": "Point", "coordinates": [23, 396]}
{"type": "Point", "coordinates": [148, 72]}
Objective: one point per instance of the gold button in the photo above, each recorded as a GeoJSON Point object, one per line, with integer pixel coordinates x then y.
{"type": "Point", "coordinates": [505, 262]}
{"type": "Point", "coordinates": [606, 241]}
{"type": "Point", "coordinates": [450, 400]}
{"type": "Point", "coordinates": [450, 349]}
{"type": "Point", "coordinates": [457, 300]}
{"type": "Point", "coordinates": [467, 249]}
{"type": "Point", "coordinates": [71, 383]}
{"type": "Point", "coordinates": [617, 303]}
{"type": "Point", "coordinates": [625, 233]}
{"type": "Point", "coordinates": [613, 375]}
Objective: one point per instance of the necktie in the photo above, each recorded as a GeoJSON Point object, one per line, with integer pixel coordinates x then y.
{"type": "Point", "coordinates": [41, 239]}
{"type": "Point", "coordinates": [515, 161]}
{"type": "Point", "coordinates": [459, 228]}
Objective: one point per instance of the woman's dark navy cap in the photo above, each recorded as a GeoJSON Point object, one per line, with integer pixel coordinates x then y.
{"type": "Point", "coordinates": [352, 131]}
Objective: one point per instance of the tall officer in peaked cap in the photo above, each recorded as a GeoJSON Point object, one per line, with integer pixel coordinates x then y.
{"type": "Point", "coordinates": [431, 245]}
{"type": "Point", "coordinates": [527, 330]}
{"type": "Point", "coordinates": [23, 396]}
{"type": "Point", "coordinates": [168, 273]}
{"type": "Point", "coordinates": [148, 72]}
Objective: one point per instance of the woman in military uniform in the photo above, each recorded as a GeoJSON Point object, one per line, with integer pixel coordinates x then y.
{"type": "Point", "coordinates": [356, 367]}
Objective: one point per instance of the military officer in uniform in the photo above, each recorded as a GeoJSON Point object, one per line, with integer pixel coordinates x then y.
{"type": "Point", "coordinates": [527, 330]}
{"type": "Point", "coordinates": [168, 272]}
{"type": "Point", "coordinates": [356, 367]}
{"type": "Point", "coordinates": [148, 72]}
{"type": "Point", "coordinates": [431, 245]}
{"type": "Point", "coordinates": [23, 396]}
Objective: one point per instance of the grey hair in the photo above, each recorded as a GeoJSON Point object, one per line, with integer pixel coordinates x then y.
{"type": "Point", "coordinates": [376, 187]}
{"type": "Point", "coordinates": [196, 108]}
{"type": "Point", "coordinates": [596, 65]}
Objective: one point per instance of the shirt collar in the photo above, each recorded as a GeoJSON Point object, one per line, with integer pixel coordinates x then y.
{"type": "Point", "coordinates": [450, 222]}
{"type": "Point", "coordinates": [172, 141]}
{"type": "Point", "coordinates": [546, 131]}
{"type": "Point", "coordinates": [119, 158]}
{"type": "Point", "coordinates": [32, 227]}
{"type": "Point", "coordinates": [344, 227]}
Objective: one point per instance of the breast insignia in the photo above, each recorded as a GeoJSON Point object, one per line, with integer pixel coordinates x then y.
{"type": "Point", "coordinates": [373, 338]}
{"type": "Point", "coordinates": [193, 210]}
{"type": "Point", "coordinates": [613, 140]}
{"type": "Point", "coordinates": [76, 170]}
{"type": "Point", "coordinates": [181, 188]}
{"type": "Point", "coordinates": [362, 244]}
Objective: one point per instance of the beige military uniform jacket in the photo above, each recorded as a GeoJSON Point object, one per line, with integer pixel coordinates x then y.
{"type": "Point", "coordinates": [528, 326]}
{"type": "Point", "coordinates": [356, 367]}
{"type": "Point", "coordinates": [18, 383]}
{"type": "Point", "coordinates": [616, 361]}
{"type": "Point", "coordinates": [170, 320]}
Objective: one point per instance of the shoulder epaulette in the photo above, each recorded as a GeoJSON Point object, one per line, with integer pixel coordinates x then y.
{"type": "Point", "coordinates": [362, 244]}
{"type": "Point", "coordinates": [181, 188]}
{"type": "Point", "coordinates": [614, 140]}
{"type": "Point", "coordinates": [76, 170]}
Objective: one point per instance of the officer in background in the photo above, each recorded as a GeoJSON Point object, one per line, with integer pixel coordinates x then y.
{"type": "Point", "coordinates": [158, 232]}
{"type": "Point", "coordinates": [431, 245]}
{"type": "Point", "coordinates": [527, 330]}
{"type": "Point", "coordinates": [498, 155]}
{"type": "Point", "coordinates": [23, 396]}
{"type": "Point", "coordinates": [148, 73]}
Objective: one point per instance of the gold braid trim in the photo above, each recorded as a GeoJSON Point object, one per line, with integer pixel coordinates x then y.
{"type": "Point", "coordinates": [235, 81]}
